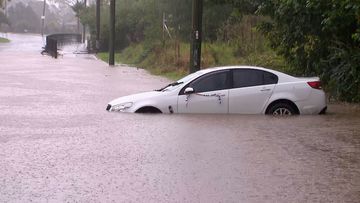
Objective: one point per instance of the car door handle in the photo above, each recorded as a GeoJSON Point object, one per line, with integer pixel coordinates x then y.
{"type": "Point", "coordinates": [265, 90]}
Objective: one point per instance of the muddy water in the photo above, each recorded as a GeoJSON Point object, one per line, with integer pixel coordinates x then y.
{"type": "Point", "coordinates": [57, 143]}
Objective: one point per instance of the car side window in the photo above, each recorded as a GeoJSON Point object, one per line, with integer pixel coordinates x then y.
{"type": "Point", "coordinates": [270, 78]}
{"type": "Point", "coordinates": [210, 82]}
{"type": "Point", "coordinates": [249, 78]}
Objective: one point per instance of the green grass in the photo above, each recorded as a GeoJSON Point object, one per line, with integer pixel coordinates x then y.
{"type": "Point", "coordinates": [4, 40]}
{"type": "Point", "coordinates": [104, 56]}
{"type": "Point", "coordinates": [120, 59]}
{"type": "Point", "coordinates": [162, 60]}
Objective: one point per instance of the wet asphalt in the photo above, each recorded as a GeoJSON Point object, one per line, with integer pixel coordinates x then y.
{"type": "Point", "coordinates": [58, 144]}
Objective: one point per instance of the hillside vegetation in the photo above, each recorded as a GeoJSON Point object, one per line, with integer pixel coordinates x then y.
{"type": "Point", "coordinates": [172, 63]}
{"type": "Point", "coordinates": [301, 37]}
{"type": "Point", "coordinates": [25, 16]}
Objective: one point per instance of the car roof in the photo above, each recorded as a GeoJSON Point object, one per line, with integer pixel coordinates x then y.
{"type": "Point", "coordinates": [207, 70]}
{"type": "Point", "coordinates": [282, 76]}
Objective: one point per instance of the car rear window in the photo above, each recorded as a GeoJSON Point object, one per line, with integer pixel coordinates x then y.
{"type": "Point", "coordinates": [250, 77]}
{"type": "Point", "coordinates": [270, 78]}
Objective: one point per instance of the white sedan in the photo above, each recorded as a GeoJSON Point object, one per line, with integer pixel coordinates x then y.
{"type": "Point", "coordinates": [233, 90]}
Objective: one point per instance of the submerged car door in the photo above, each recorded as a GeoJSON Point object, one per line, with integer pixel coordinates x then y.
{"type": "Point", "coordinates": [211, 94]}
{"type": "Point", "coordinates": [251, 90]}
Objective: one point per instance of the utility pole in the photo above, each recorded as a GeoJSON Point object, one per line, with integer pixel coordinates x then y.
{"type": "Point", "coordinates": [84, 26]}
{"type": "Point", "coordinates": [97, 25]}
{"type": "Point", "coordinates": [43, 19]}
{"type": "Point", "coordinates": [196, 35]}
{"type": "Point", "coordinates": [112, 34]}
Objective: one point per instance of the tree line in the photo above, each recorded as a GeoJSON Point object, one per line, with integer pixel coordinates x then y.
{"type": "Point", "coordinates": [314, 37]}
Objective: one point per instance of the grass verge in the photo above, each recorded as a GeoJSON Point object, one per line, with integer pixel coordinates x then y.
{"type": "Point", "coordinates": [4, 40]}
{"type": "Point", "coordinates": [171, 60]}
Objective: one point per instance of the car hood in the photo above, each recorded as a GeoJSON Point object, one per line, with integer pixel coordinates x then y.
{"type": "Point", "coordinates": [136, 97]}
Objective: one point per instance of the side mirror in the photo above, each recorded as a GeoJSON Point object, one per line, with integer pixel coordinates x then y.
{"type": "Point", "coordinates": [189, 90]}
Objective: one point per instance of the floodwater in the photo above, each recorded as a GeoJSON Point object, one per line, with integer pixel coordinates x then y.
{"type": "Point", "coordinates": [58, 144]}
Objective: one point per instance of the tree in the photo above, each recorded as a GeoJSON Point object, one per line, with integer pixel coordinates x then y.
{"type": "Point", "coordinates": [68, 2]}
{"type": "Point", "coordinates": [2, 3]}
{"type": "Point", "coordinates": [318, 37]}
{"type": "Point", "coordinates": [3, 19]}
{"type": "Point", "coordinates": [77, 5]}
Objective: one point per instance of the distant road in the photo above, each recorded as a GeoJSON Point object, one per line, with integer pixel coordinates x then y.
{"type": "Point", "coordinates": [22, 42]}
{"type": "Point", "coordinates": [33, 43]}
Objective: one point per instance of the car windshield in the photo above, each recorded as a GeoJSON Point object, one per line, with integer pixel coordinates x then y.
{"type": "Point", "coordinates": [183, 80]}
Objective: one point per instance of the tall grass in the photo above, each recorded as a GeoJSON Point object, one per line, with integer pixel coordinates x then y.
{"type": "Point", "coordinates": [172, 59]}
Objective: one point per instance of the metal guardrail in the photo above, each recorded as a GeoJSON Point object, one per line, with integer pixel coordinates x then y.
{"type": "Point", "coordinates": [55, 40]}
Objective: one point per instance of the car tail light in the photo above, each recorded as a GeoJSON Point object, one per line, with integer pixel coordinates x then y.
{"type": "Point", "coordinates": [315, 84]}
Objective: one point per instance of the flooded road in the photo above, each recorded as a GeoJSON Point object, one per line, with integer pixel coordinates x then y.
{"type": "Point", "coordinates": [22, 43]}
{"type": "Point", "coordinates": [58, 144]}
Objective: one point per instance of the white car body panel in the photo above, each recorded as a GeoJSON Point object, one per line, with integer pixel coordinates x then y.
{"type": "Point", "coordinates": [204, 102]}
{"type": "Point", "coordinates": [314, 104]}
{"type": "Point", "coordinates": [246, 100]}
{"type": "Point", "coordinates": [290, 91]}
{"type": "Point", "coordinates": [249, 100]}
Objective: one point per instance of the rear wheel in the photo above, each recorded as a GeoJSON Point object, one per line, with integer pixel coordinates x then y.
{"type": "Point", "coordinates": [282, 109]}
